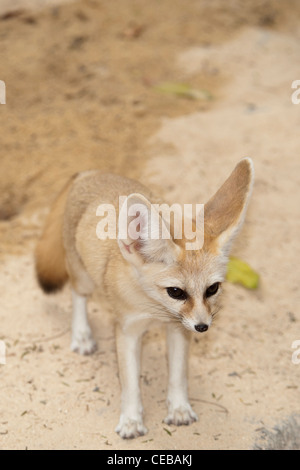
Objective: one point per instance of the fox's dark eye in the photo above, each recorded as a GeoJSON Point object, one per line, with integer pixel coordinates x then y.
{"type": "Point", "coordinates": [177, 293]}
{"type": "Point", "coordinates": [212, 290]}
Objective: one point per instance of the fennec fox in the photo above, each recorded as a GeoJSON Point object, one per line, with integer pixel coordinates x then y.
{"type": "Point", "coordinates": [144, 278]}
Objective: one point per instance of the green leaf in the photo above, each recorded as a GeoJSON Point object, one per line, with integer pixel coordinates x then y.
{"type": "Point", "coordinates": [240, 272]}
{"type": "Point", "coordinates": [167, 431]}
{"type": "Point", "coordinates": [183, 90]}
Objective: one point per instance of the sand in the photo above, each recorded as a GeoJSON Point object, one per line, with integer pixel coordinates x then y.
{"type": "Point", "coordinates": [80, 82]}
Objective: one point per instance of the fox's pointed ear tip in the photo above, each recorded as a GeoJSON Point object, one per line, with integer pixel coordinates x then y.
{"type": "Point", "coordinates": [249, 162]}
{"type": "Point", "coordinates": [246, 167]}
{"type": "Point", "coordinates": [136, 198]}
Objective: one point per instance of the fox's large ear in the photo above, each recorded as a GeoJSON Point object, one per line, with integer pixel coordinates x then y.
{"type": "Point", "coordinates": [143, 235]}
{"type": "Point", "coordinates": [224, 213]}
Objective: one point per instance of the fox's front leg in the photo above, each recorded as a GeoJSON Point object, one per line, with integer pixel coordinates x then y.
{"type": "Point", "coordinates": [129, 352]}
{"type": "Point", "coordinates": [179, 408]}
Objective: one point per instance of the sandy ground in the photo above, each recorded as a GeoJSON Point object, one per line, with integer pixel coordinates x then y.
{"type": "Point", "coordinates": [80, 81]}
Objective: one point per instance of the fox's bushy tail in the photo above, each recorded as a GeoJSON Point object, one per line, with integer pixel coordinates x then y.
{"type": "Point", "coordinates": [50, 258]}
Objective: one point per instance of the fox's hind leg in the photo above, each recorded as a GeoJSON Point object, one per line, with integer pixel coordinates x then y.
{"type": "Point", "coordinates": [82, 339]}
{"type": "Point", "coordinates": [82, 288]}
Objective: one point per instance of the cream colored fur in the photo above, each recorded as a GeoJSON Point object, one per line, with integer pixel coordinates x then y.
{"type": "Point", "coordinates": [134, 277]}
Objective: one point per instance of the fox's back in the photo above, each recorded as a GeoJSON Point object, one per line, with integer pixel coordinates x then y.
{"type": "Point", "coordinates": [84, 250]}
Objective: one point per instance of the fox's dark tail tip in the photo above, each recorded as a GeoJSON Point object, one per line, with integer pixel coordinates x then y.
{"type": "Point", "coordinates": [48, 286]}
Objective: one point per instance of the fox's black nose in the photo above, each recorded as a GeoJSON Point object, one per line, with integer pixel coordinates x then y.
{"type": "Point", "coordinates": [201, 327]}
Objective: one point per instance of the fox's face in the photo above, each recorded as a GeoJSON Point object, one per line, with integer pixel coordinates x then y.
{"type": "Point", "coordinates": [185, 284]}
{"type": "Point", "coordinates": [187, 289]}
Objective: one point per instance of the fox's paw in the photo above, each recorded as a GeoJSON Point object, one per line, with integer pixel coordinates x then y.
{"type": "Point", "coordinates": [182, 415]}
{"type": "Point", "coordinates": [130, 428]}
{"type": "Point", "coordinates": [83, 343]}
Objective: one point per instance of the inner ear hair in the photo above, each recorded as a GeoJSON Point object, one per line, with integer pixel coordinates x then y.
{"type": "Point", "coordinates": [149, 245]}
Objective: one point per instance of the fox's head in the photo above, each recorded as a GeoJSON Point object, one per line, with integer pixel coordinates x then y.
{"type": "Point", "coordinates": [185, 284]}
